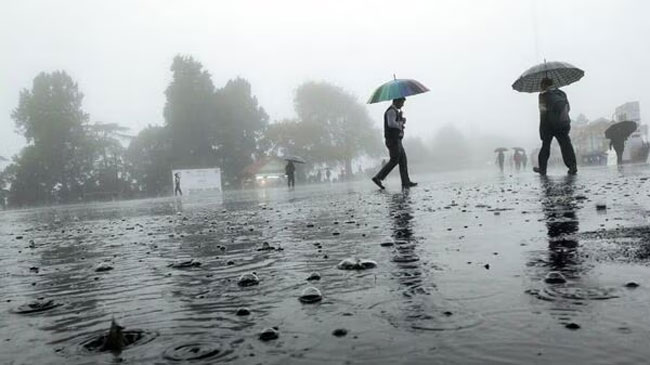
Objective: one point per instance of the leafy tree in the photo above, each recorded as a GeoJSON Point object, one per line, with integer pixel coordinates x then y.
{"type": "Point", "coordinates": [149, 161]}
{"type": "Point", "coordinates": [339, 126]}
{"type": "Point", "coordinates": [240, 126]}
{"type": "Point", "coordinates": [108, 175]}
{"type": "Point", "coordinates": [51, 119]}
{"type": "Point", "coordinates": [189, 114]}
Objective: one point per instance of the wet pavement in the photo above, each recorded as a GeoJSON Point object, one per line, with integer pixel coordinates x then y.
{"type": "Point", "coordinates": [465, 268]}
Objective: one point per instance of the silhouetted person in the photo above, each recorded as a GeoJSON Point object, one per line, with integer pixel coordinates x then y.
{"type": "Point", "coordinates": [177, 184]}
{"type": "Point", "coordinates": [517, 159]}
{"type": "Point", "coordinates": [554, 121]}
{"type": "Point", "coordinates": [501, 158]}
{"type": "Point", "coordinates": [618, 144]}
{"type": "Point", "coordinates": [290, 170]}
{"type": "Point", "coordinates": [328, 174]}
{"type": "Point", "coordinates": [393, 133]}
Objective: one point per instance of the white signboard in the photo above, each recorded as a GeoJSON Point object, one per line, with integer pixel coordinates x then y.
{"type": "Point", "coordinates": [196, 181]}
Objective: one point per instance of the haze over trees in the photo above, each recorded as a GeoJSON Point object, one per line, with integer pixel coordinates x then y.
{"type": "Point", "coordinates": [69, 159]}
{"type": "Point", "coordinates": [331, 126]}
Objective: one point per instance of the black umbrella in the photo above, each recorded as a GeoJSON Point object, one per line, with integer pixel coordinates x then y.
{"type": "Point", "coordinates": [620, 130]}
{"type": "Point", "coordinates": [500, 149]}
{"type": "Point", "coordinates": [295, 159]}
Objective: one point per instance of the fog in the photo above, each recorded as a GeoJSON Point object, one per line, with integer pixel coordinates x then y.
{"type": "Point", "coordinates": [467, 52]}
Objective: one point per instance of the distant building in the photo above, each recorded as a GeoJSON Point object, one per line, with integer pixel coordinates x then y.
{"type": "Point", "coordinates": [628, 111]}
{"type": "Point", "coordinates": [591, 146]}
{"type": "Point", "coordinates": [589, 141]}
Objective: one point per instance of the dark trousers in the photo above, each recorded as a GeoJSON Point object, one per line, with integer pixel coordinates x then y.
{"type": "Point", "coordinates": [397, 157]}
{"type": "Point", "coordinates": [178, 190]}
{"type": "Point", "coordinates": [563, 139]}
{"type": "Point", "coordinates": [291, 180]}
{"type": "Point", "coordinates": [619, 147]}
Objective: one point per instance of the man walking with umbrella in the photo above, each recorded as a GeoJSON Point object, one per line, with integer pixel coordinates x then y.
{"type": "Point", "coordinates": [290, 171]}
{"type": "Point", "coordinates": [617, 135]}
{"type": "Point", "coordinates": [393, 133]}
{"type": "Point", "coordinates": [554, 121]}
{"type": "Point", "coordinates": [396, 90]}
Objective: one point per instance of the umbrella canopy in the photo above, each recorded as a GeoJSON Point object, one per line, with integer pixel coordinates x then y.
{"type": "Point", "coordinates": [295, 159]}
{"type": "Point", "coordinates": [620, 130]}
{"type": "Point", "coordinates": [561, 73]}
{"type": "Point", "coordinates": [500, 149]}
{"type": "Point", "coordinates": [395, 89]}
{"type": "Point", "coordinates": [520, 149]}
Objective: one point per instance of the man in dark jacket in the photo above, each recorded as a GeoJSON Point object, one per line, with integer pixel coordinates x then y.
{"type": "Point", "coordinates": [393, 133]}
{"type": "Point", "coordinates": [177, 184]}
{"type": "Point", "coordinates": [290, 171]}
{"type": "Point", "coordinates": [554, 121]}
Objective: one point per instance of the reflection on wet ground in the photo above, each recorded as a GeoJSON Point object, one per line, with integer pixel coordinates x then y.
{"type": "Point", "coordinates": [466, 268]}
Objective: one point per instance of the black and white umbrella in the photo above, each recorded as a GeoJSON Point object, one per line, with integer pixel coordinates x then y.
{"type": "Point", "coordinates": [561, 73]}
{"type": "Point", "coordinates": [295, 159]}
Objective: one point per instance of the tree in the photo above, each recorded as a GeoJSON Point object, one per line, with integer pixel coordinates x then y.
{"type": "Point", "coordinates": [240, 126]}
{"type": "Point", "coordinates": [189, 114]}
{"type": "Point", "coordinates": [108, 175]}
{"type": "Point", "coordinates": [148, 158]}
{"type": "Point", "coordinates": [339, 127]}
{"type": "Point", "coordinates": [51, 119]}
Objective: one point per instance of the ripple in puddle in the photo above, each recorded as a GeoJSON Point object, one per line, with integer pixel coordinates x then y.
{"type": "Point", "coordinates": [573, 293]}
{"type": "Point", "coordinates": [37, 307]}
{"type": "Point", "coordinates": [428, 318]}
{"type": "Point", "coordinates": [194, 351]}
{"type": "Point", "coordinates": [132, 338]}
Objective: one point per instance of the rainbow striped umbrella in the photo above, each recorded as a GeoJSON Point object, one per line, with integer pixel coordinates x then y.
{"type": "Point", "coordinates": [397, 88]}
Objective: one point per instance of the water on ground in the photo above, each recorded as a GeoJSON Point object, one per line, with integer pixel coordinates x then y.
{"type": "Point", "coordinates": [470, 268]}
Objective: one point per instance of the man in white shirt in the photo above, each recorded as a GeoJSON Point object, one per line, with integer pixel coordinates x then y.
{"type": "Point", "coordinates": [393, 133]}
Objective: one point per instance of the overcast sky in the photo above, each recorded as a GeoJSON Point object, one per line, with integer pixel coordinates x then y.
{"type": "Point", "coordinates": [467, 52]}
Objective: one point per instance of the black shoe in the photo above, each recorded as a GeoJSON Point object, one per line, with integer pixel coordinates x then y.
{"type": "Point", "coordinates": [409, 184]}
{"type": "Point", "coordinates": [573, 171]}
{"type": "Point", "coordinates": [378, 182]}
{"type": "Point", "coordinates": [537, 170]}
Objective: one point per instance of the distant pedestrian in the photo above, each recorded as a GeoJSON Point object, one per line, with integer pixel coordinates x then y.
{"type": "Point", "coordinates": [328, 174]}
{"type": "Point", "coordinates": [619, 147]}
{"type": "Point", "coordinates": [617, 134]}
{"type": "Point", "coordinates": [177, 184]}
{"type": "Point", "coordinates": [524, 159]}
{"type": "Point", "coordinates": [393, 134]}
{"type": "Point", "coordinates": [290, 170]}
{"type": "Point", "coordinates": [554, 122]}
{"type": "Point", "coordinates": [517, 159]}
{"type": "Point", "coordinates": [501, 158]}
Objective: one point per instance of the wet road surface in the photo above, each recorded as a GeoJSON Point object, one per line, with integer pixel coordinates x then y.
{"type": "Point", "coordinates": [470, 268]}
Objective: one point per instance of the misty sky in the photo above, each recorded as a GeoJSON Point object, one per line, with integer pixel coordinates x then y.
{"type": "Point", "coordinates": [467, 52]}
